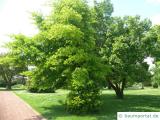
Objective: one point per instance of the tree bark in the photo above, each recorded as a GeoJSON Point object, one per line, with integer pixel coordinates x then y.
{"type": "Point", "coordinates": [142, 86]}
{"type": "Point", "coordinates": [119, 93]}
{"type": "Point", "coordinates": [8, 82]}
{"type": "Point", "coordinates": [5, 77]}
{"type": "Point", "coordinates": [109, 86]}
{"type": "Point", "coordinates": [118, 88]}
{"type": "Point", "coordinates": [9, 85]}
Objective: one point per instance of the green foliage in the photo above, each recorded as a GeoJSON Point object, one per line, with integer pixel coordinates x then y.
{"type": "Point", "coordinates": [40, 80]}
{"type": "Point", "coordinates": [39, 20]}
{"type": "Point", "coordinates": [85, 95]}
{"type": "Point", "coordinates": [124, 50]}
{"type": "Point", "coordinates": [156, 75]}
{"type": "Point", "coordinates": [75, 58]}
{"type": "Point", "coordinates": [2, 82]}
{"type": "Point", "coordinates": [8, 69]}
{"type": "Point", "coordinates": [101, 13]}
{"type": "Point", "coordinates": [152, 39]}
{"type": "Point", "coordinates": [155, 85]}
{"type": "Point", "coordinates": [141, 73]}
{"type": "Point", "coordinates": [64, 48]}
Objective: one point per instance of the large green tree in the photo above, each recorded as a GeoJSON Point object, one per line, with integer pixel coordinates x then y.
{"type": "Point", "coordinates": [75, 57]}
{"type": "Point", "coordinates": [124, 50]}
{"type": "Point", "coordinates": [64, 52]}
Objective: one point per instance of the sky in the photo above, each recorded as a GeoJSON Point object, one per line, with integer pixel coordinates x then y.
{"type": "Point", "coordinates": [145, 8]}
{"type": "Point", "coordinates": [15, 15]}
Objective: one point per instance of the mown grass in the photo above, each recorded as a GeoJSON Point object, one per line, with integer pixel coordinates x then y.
{"type": "Point", "coordinates": [50, 105]}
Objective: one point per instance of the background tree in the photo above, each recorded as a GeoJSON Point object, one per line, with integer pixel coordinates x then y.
{"type": "Point", "coordinates": [8, 69]}
{"type": "Point", "coordinates": [152, 39]}
{"type": "Point", "coordinates": [141, 74]}
{"type": "Point", "coordinates": [156, 75]}
{"type": "Point", "coordinates": [124, 50]}
{"type": "Point", "coordinates": [101, 12]}
{"type": "Point", "coordinates": [34, 52]}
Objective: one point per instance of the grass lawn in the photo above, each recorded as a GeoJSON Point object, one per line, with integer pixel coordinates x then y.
{"type": "Point", "coordinates": [51, 106]}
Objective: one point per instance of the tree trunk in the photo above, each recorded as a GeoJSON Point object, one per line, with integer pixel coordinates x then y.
{"type": "Point", "coordinates": [142, 86]}
{"type": "Point", "coordinates": [109, 86]}
{"type": "Point", "coordinates": [9, 85]}
{"type": "Point", "coordinates": [118, 89]}
{"type": "Point", "coordinates": [119, 93]}
{"type": "Point", "coordinates": [8, 82]}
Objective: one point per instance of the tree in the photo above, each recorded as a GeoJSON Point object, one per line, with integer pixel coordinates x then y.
{"type": "Point", "coordinates": [64, 52]}
{"type": "Point", "coordinates": [101, 13]}
{"type": "Point", "coordinates": [8, 69]}
{"type": "Point", "coordinates": [34, 52]}
{"type": "Point", "coordinates": [156, 75]}
{"type": "Point", "coordinates": [75, 57]}
{"type": "Point", "coordinates": [152, 39]}
{"type": "Point", "coordinates": [141, 74]}
{"type": "Point", "coordinates": [124, 50]}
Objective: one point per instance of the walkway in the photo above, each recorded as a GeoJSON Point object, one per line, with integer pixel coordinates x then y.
{"type": "Point", "coordinates": [13, 108]}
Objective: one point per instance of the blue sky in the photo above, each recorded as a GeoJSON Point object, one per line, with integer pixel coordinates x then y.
{"type": "Point", "coordinates": [145, 8]}
{"type": "Point", "coordinates": [15, 17]}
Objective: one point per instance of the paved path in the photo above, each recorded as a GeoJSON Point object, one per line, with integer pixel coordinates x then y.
{"type": "Point", "coordinates": [13, 108]}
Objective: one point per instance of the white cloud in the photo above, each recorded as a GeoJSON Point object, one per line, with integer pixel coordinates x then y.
{"type": "Point", "coordinates": [15, 17]}
{"type": "Point", "coordinates": [155, 19]}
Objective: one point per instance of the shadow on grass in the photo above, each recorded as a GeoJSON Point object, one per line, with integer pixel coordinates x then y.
{"type": "Point", "coordinates": [131, 103]}
{"type": "Point", "coordinates": [55, 111]}
{"type": "Point", "coordinates": [110, 107]}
